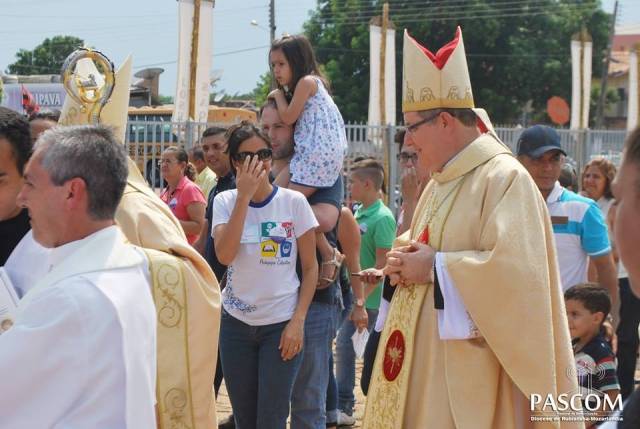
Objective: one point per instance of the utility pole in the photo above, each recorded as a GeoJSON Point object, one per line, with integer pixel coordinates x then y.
{"type": "Point", "coordinates": [272, 19]}
{"type": "Point", "coordinates": [605, 70]}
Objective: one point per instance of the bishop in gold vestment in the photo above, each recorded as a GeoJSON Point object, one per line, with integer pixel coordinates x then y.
{"type": "Point", "coordinates": [493, 240]}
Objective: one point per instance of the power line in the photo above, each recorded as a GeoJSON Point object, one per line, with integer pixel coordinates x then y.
{"type": "Point", "coordinates": [96, 29]}
{"type": "Point", "coordinates": [448, 14]}
{"type": "Point", "coordinates": [344, 50]}
{"type": "Point", "coordinates": [93, 17]}
{"type": "Point", "coordinates": [424, 5]}
{"type": "Point", "coordinates": [3, 15]}
{"type": "Point", "coordinates": [220, 54]}
{"type": "Point", "coordinates": [449, 9]}
{"type": "Point", "coordinates": [451, 4]}
{"type": "Point", "coordinates": [404, 19]}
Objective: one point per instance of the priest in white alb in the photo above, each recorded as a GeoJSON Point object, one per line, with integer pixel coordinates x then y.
{"type": "Point", "coordinates": [477, 325]}
{"type": "Point", "coordinates": [184, 288]}
{"type": "Point", "coordinates": [82, 350]}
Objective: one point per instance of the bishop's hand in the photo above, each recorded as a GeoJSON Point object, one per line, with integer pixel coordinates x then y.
{"type": "Point", "coordinates": [410, 264]}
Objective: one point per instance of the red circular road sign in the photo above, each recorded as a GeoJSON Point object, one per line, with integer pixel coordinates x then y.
{"type": "Point", "coordinates": [558, 110]}
{"type": "Point", "coordinates": [393, 355]}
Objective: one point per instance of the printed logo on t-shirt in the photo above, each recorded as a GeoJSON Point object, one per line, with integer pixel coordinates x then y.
{"type": "Point", "coordinates": [276, 242]}
{"type": "Point", "coordinates": [173, 203]}
{"type": "Point", "coordinates": [285, 249]}
{"type": "Point", "coordinates": [268, 249]}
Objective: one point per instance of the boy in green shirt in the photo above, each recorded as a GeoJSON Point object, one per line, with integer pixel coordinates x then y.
{"type": "Point", "coordinates": [378, 230]}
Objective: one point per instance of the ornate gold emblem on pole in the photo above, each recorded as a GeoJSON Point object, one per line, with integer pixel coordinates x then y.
{"type": "Point", "coordinates": [85, 90]}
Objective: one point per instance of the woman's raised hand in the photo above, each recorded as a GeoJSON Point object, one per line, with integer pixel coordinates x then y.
{"type": "Point", "coordinates": [248, 176]}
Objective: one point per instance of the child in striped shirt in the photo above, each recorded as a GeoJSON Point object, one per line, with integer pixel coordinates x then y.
{"type": "Point", "coordinates": [587, 307]}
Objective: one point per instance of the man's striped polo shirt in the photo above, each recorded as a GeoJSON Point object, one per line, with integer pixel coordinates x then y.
{"type": "Point", "coordinates": [580, 232]}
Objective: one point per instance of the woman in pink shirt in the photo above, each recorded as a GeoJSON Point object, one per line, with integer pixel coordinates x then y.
{"type": "Point", "coordinates": [182, 195]}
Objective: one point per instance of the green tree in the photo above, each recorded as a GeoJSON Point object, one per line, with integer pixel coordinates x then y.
{"type": "Point", "coordinates": [516, 51]}
{"type": "Point", "coordinates": [46, 58]}
{"type": "Point", "coordinates": [339, 33]}
{"type": "Point", "coordinates": [262, 89]}
{"type": "Point", "coordinates": [165, 99]}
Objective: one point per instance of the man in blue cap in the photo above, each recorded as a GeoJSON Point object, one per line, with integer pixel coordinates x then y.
{"type": "Point", "coordinates": [579, 228]}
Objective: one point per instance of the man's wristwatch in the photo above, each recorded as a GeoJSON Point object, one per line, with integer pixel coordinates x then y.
{"type": "Point", "coordinates": [359, 302]}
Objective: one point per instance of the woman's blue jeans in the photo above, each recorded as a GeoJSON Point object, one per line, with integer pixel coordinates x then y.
{"type": "Point", "coordinates": [258, 381]}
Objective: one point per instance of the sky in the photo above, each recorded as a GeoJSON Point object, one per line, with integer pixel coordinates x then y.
{"type": "Point", "coordinates": [147, 29]}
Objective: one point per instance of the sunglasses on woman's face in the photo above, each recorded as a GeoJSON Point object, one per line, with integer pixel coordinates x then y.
{"type": "Point", "coordinates": [263, 155]}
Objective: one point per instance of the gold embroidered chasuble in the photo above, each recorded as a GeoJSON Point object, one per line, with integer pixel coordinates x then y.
{"type": "Point", "coordinates": [187, 298]}
{"type": "Point", "coordinates": [486, 216]}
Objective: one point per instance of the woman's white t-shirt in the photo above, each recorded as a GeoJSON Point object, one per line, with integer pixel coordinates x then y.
{"type": "Point", "coordinates": [262, 284]}
{"type": "Point", "coordinates": [605, 204]}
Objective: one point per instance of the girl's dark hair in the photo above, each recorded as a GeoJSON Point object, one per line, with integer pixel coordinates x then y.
{"type": "Point", "coordinates": [239, 133]}
{"type": "Point", "coordinates": [299, 54]}
{"type": "Point", "coordinates": [182, 156]}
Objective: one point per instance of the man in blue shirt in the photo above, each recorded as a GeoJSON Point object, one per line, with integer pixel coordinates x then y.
{"type": "Point", "coordinates": [579, 228]}
{"type": "Point", "coordinates": [214, 146]}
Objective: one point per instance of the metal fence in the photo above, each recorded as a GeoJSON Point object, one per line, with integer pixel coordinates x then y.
{"type": "Point", "coordinates": [146, 140]}
{"type": "Point", "coordinates": [581, 146]}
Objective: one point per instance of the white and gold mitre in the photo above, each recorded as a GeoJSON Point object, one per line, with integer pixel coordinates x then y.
{"type": "Point", "coordinates": [115, 110]}
{"type": "Point", "coordinates": [435, 81]}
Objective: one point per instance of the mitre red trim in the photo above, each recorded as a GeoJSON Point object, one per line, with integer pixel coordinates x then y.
{"type": "Point", "coordinates": [442, 56]}
{"type": "Point", "coordinates": [481, 125]}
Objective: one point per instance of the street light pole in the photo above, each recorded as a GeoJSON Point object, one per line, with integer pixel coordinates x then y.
{"type": "Point", "coordinates": [272, 20]}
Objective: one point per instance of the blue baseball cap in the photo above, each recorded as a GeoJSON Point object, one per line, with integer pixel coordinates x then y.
{"type": "Point", "coordinates": [538, 140]}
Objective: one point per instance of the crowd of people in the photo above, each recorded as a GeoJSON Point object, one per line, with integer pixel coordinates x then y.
{"type": "Point", "coordinates": [493, 278]}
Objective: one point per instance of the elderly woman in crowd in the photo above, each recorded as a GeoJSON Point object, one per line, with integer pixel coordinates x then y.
{"type": "Point", "coordinates": [597, 176]}
{"type": "Point", "coordinates": [184, 198]}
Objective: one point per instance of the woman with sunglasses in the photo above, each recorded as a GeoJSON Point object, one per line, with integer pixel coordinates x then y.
{"type": "Point", "coordinates": [184, 198]}
{"type": "Point", "coordinates": [260, 230]}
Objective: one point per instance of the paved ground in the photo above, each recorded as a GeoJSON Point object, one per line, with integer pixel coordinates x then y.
{"type": "Point", "coordinates": [223, 407]}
